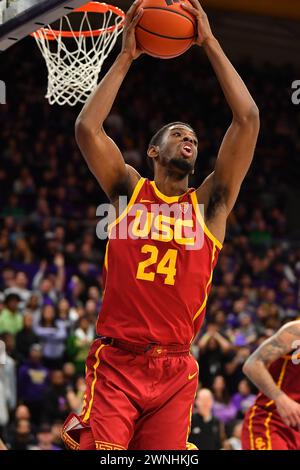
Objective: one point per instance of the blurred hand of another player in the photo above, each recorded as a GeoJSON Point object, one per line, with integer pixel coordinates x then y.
{"type": "Point", "coordinates": [129, 42]}
{"type": "Point", "coordinates": [289, 410]}
{"type": "Point", "coordinates": [204, 31]}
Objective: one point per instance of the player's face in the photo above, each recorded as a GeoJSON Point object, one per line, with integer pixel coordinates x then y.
{"type": "Point", "coordinates": [179, 149]}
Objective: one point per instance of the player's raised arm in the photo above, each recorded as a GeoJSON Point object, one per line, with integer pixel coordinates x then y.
{"type": "Point", "coordinates": [256, 369]}
{"type": "Point", "coordinates": [238, 146]}
{"type": "Point", "coordinates": [100, 151]}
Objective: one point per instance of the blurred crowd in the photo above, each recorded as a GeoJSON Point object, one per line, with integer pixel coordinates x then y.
{"type": "Point", "coordinates": [51, 259]}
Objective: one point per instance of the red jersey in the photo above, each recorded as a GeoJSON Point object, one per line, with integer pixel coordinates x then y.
{"type": "Point", "coordinates": [158, 269]}
{"type": "Point", "coordinates": [285, 373]}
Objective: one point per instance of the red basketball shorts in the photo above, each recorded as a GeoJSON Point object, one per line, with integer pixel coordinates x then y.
{"type": "Point", "coordinates": [134, 401]}
{"type": "Point", "coordinates": [265, 430]}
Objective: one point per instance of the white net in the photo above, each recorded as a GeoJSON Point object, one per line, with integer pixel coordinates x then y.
{"type": "Point", "coordinates": [73, 67]}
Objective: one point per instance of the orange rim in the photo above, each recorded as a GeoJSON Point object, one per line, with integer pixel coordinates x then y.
{"type": "Point", "coordinates": [91, 7]}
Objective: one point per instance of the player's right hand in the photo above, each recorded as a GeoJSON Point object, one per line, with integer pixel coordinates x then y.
{"type": "Point", "coordinates": [129, 42]}
{"type": "Point", "coordinates": [289, 410]}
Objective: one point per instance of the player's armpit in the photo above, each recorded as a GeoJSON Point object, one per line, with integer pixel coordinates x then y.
{"type": "Point", "coordinates": [215, 212]}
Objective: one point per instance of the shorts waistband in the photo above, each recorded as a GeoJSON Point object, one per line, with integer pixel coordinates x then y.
{"type": "Point", "coordinates": [150, 349]}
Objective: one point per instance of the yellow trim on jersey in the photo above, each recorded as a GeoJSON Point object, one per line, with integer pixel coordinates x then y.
{"type": "Point", "coordinates": [250, 427]}
{"type": "Point", "coordinates": [102, 445]}
{"type": "Point", "coordinates": [134, 195]}
{"type": "Point", "coordinates": [281, 377]}
{"type": "Point", "coordinates": [207, 285]}
{"type": "Point", "coordinates": [202, 223]}
{"type": "Point", "coordinates": [290, 356]}
{"type": "Point", "coordinates": [95, 367]}
{"type": "Point", "coordinates": [268, 434]}
{"type": "Point", "coordinates": [106, 256]}
{"type": "Point", "coordinates": [188, 444]}
{"type": "Point", "coordinates": [168, 199]}
{"type": "Point", "coordinates": [189, 422]}
{"type": "Point", "coordinates": [68, 441]}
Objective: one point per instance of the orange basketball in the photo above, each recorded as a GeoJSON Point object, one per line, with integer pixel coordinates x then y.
{"type": "Point", "coordinates": [165, 29]}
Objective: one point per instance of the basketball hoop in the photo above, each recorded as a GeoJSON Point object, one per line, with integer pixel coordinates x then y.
{"type": "Point", "coordinates": [74, 57]}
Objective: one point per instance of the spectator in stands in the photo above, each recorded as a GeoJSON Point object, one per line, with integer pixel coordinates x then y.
{"type": "Point", "coordinates": [52, 335]}
{"type": "Point", "coordinates": [20, 412]}
{"type": "Point", "coordinates": [8, 395]}
{"type": "Point", "coordinates": [56, 433]}
{"type": "Point", "coordinates": [32, 383]}
{"type": "Point", "coordinates": [75, 396]}
{"type": "Point", "coordinates": [79, 343]}
{"type": "Point", "coordinates": [243, 399]}
{"type": "Point", "coordinates": [48, 222]}
{"type": "Point", "coordinates": [69, 371]}
{"type": "Point", "coordinates": [213, 348]}
{"type": "Point", "coordinates": [23, 437]}
{"type": "Point", "coordinates": [223, 409]}
{"type": "Point", "coordinates": [205, 427]}
{"type": "Point", "coordinates": [20, 287]}
{"type": "Point", "coordinates": [234, 441]}
{"type": "Point", "coordinates": [11, 320]}
{"type": "Point", "coordinates": [55, 397]}
{"type": "Point", "coordinates": [33, 306]}
{"type": "Point", "coordinates": [45, 438]}
{"type": "Point", "coordinates": [25, 338]}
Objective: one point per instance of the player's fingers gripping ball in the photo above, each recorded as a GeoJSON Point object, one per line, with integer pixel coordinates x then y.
{"type": "Point", "coordinates": [165, 29]}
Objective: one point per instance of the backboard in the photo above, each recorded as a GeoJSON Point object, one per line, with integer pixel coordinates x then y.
{"type": "Point", "coordinates": [18, 18]}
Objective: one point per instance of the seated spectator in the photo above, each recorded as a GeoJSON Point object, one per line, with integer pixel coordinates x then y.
{"type": "Point", "coordinates": [246, 332]}
{"type": "Point", "coordinates": [66, 313]}
{"type": "Point", "coordinates": [234, 365]}
{"type": "Point", "coordinates": [20, 412]}
{"type": "Point", "coordinates": [33, 306]}
{"type": "Point", "coordinates": [56, 430]}
{"type": "Point", "coordinates": [69, 371]}
{"type": "Point", "coordinates": [25, 338]}
{"type": "Point", "coordinates": [8, 275]}
{"type": "Point", "coordinates": [52, 335]}
{"type": "Point", "coordinates": [11, 320]}
{"type": "Point", "coordinates": [23, 438]}
{"type": "Point", "coordinates": [79, 343]}
{"type": "Point", "coordinates": [205, 427]}
{"type": "Point", "coordinates": [8, 392]}
{"type": "Point", "coordinates": [75, 396]}
{"type": "Point", "coordinates": [20, 287]}
{"type": "Point", "coordinates": [223, 409]}
{"type": "Point", "coordinates": [45, 439]}
{"type": "Point", "coordinates": [32, 383]}
{"type": "Point", "coordinates": [234, 441]}
{"type": "Point", "coordinates": [56, 398]}
{"type": "Point", "coordinates": [213, 349]}
{"type": "Point", "coordinates": [243, 399]}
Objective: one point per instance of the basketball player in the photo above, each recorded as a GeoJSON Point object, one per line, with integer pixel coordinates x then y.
{"type": "Point", "coordinates": [273, 422]}
{"type": "Point", "coordinates": [141, 377]}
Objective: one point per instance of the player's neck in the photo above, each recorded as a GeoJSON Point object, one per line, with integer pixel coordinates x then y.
{"type": "Point", "coordinates": [170, 186]}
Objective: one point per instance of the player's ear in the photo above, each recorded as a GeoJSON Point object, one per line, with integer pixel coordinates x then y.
{"type": "Point", "coordinates": [153, 151]}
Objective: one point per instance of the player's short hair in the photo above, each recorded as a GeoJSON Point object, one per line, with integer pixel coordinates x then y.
{"type": "Point", "coordinates": [157, 138]}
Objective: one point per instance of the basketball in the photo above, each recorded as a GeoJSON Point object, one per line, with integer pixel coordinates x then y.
{"type": "Point", "coordinates": [165, 29]}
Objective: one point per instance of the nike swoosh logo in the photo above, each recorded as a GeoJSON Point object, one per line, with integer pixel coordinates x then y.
{"type": "Point", "coordinates": [191, 376]}
{"type": "Point", "coordinates": [146, 200]}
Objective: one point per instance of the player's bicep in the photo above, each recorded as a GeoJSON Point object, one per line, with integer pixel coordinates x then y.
{"type": "Point", "coordinates": [273, 348]}
{"type": "Point", "coordinates": [105, 161]}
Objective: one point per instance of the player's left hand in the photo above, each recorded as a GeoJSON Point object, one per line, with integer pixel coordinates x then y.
{"type": "Point", "coordinates": [204, 31]}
